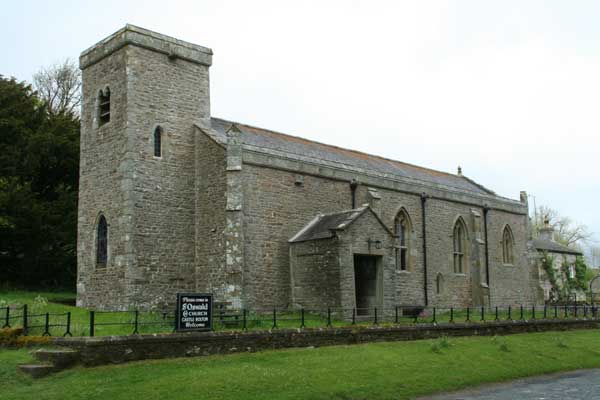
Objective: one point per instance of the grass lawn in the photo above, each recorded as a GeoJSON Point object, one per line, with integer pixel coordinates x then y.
{"type": "Point", "coordinates": [399, 370]}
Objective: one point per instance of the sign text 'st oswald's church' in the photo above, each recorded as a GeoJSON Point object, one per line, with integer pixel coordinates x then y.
{"type": "Point", "coordinates": [174, 200]}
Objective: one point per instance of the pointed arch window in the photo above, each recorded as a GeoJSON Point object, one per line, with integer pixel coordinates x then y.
{"type": "Point", "coordinates": [402, 229]}
{"type": "Point", "coordinates": [507, 246]}
{"type": "Point", "coordinates": [459, 237]}
{"type": "Point", "coordinates": [158, 132]}
{"type": "Point", "coordinates": [102, 242]}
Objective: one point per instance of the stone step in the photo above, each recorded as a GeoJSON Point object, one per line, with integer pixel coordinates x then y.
{"type": "Point", "coordinates": [36, 370]}
{"type": "Point", "coordinates": [59, 358]}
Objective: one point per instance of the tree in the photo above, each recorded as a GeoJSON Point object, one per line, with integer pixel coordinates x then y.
{"type": "Point", "coordinates": [566, 231]}
{"type": "Point", "coordinates": [59, 86]}
{"type": "Point", "coordinates": [39, 163]}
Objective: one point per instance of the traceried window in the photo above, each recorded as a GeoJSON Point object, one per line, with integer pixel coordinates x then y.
{"type": "Point", "coordinates": [507, 246]}
{"type": "Point", "coordinates": [402, 229]}
{"type": "Point", "coordinates": [104, 106]}
{"type": "Point", "coordinates": [158, 141]}
{"type": "Point", "coordinates": [459, 237]}
{"type": "Point", "coordinates": [102, 242]}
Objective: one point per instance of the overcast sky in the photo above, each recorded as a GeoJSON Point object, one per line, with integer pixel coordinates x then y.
{"type": "Point", "coordinates": [508, 90]}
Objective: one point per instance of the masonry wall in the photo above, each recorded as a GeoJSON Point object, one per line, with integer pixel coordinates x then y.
{"type": "Point", "coordinates": [315, 274]}
{"type": "Point", "coordinates": [172, 93]}
{"type": "Point", "coordinates": [103, 181]}
{"type": "Point", "coordinates": [510, 284]}
{"type": "Point", "coordinates": [274, 210]}
{"type": "Point", "coordinates": [211, 183]}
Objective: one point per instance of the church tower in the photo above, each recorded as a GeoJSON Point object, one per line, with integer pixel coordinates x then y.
{"type": "Point", "coordinates": [142, 94]}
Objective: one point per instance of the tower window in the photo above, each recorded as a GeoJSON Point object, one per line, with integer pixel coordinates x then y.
{"type": "Point", "coordinates": [158, 142]}
{"type": "Point", "coordinates": [102, 242]}
{"type": "Point", "coordinates": [104, 106]}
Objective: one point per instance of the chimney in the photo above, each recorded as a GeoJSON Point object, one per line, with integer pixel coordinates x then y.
{"type": "Point", "coordinates": [547, 232]}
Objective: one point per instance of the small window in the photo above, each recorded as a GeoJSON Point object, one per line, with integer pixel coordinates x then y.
{"type": "Point", "coordinates": [507, 246]}
{"type": "Point", "coordinates": [459, 246]}
{"type": "Point", "coordinates": [104, 106]}
{"type": "Point", "coordinates": [439, 283]}
{"type": "Point", "coordinates": [158, 142]}
{"type": "Point", "coordinates": [402, 230]}
{"type": "Point", "coordinates": [102, 242]}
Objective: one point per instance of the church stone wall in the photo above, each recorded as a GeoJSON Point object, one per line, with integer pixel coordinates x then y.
{"type": "Point", "coordinates": [210, 222]}
{"type": "Point", "coordinates": [275, 209]}
{"type": "Point", "coordinates": [315, 274]}
{"type": "Point", "coordinates": [170, 94]}
{"type": "Point", "coordinates": [103, 180]}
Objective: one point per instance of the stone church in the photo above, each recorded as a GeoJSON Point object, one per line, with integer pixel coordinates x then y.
{"type": "Point", "coordinates": [172, 199]}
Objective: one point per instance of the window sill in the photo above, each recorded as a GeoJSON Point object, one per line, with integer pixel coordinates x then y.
{"type": "Point", "coordinates": [508, 265]}
{"type": "Point", "coordinates": [459, 274]}
{"type": "Point", "coordinates": [403, 271]}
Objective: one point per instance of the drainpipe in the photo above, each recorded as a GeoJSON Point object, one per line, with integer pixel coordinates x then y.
{"type": "Point", "coordinates": [486, 208]}
{"type": "Point", "coordinates": [423, 200]}
{"type": "Point", "coordinates": [353, 186]}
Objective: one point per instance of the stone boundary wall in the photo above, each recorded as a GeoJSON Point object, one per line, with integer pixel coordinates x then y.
{"type": "Point", "coordinates": [119, 349]}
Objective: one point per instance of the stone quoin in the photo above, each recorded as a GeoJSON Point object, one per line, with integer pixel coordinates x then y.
{"type": "Point", "coordinates": [174, 200]}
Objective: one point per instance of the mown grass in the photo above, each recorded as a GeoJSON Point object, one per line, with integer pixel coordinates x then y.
{"type": "Point", "coordinates": [399, 370]}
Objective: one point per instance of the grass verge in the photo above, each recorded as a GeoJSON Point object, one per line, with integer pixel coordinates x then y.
{"type": "Point", "coordinates": [399, 370]}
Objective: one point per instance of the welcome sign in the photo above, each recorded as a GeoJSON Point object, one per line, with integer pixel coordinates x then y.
{"type": "Point", "coordinates": [194, 312]}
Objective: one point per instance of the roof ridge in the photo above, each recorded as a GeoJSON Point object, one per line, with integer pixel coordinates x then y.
{"type": "Point", "coordinates": [358, 152]}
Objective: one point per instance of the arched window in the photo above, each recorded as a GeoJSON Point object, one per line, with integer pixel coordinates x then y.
{"type": "Point", "coordinates": [402, 229]}
{"type": "Point", "coordinates": [439, 283]}
{"type": "Point", "coordinates": [158, 142]}
{"type": "Point", "coordinates": [102, 242]}
{"type": "Point", "coordinates": [507, 246]}
{"type": "Point", "coordinates": [460, 232]}
{"type": "Point", "coordinates": [104, 106]}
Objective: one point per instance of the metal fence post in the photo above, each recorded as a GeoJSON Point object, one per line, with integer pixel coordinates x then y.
{"type": "Point", "coordinates": [244, 319]}
{"type": "Point", "coordinates": [521, 311]}
{"type": "Point", "coordinates": [496, 319]}
{"type": "Point", "coordinates": [468, 315]}
{"type": "Point", "coordinates": [576, 311]}
{"type": "Point", "coordinates": [91, 322]}
{"type": "Point", "coordinates": [533, 312]}
{"type": "Point", "coordinates": [482, 314]}
{"type": "Point", "coordinates": [509, 318]}
{"type": "Point", "coordinates": [302, 318]}
{"type": "Point", "coordinates": [135, 323]}
{"type": "Point", "coordinates": [25, 319]}
{"type": "Point", "coordinates": [566, 312]}
{"type": "Point", "coordinates": [274, 318]}
{"type": "Point", "coordinates": [375, 317]}
{"type": "Point", "coordinates": [7, 323]}
{"type": "Point", "coordinates": [353, 316]}
{"type": "Point", "coordinates": [451, 315]}
{"type": "Point", "coordinates": [329, 317]}
{"type": "Point", "coordinates": [68, 331]}
{"type": "Point", "coordinates": [47, 325]}
{"type": "Point", "coordinates": [434, 320]}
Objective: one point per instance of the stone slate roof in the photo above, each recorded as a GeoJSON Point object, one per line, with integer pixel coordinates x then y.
{"type": "Point", "coordinates": [553, 247]}
{"type": "Point", "coordinates": [323, 226]}
{"type": "Point", "coordinates": [260, 139]}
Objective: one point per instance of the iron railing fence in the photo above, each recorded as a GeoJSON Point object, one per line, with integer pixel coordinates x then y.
{"type": "Point", "coordinates": [134, 322]}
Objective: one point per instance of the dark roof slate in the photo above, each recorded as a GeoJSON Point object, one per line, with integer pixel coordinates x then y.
{"type": "Point", "coordinates": [259, 138]}
{"type": "Point", "coordinates": [553, 247]}
{"type": "Point", "coordinates": [324, 225]}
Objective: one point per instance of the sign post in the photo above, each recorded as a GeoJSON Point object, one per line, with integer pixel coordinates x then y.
{"type": "Point", "coordinates": [194, 312]}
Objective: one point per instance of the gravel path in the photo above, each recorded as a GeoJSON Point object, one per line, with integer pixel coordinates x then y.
{"type": "Point", "coordinates": [577, 385]}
